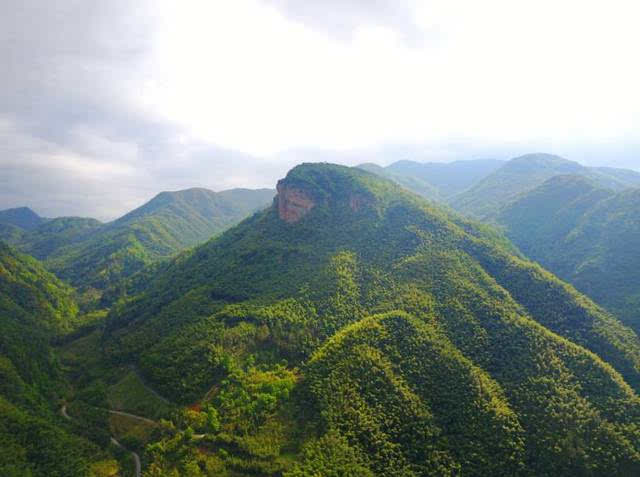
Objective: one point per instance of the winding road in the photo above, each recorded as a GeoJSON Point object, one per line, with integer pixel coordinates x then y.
{"type": "Point", "coordinates": [133, 416]}
{"type": "Point", "coordinates": [136, 457]}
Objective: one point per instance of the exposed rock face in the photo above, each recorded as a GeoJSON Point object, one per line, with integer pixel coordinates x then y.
{"type": "Point", "coordinates": [293, 203]}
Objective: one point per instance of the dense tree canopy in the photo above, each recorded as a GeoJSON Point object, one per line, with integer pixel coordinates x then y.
{"type": "Point", "coordinates": [386, 336]}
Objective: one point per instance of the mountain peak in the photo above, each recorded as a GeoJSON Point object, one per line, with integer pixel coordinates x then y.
{"type": "Point", "coordinates": [535, 161]}
{"type": "Point", "coordinates": [22, 217]}
{"type": "Point", "coordinates": [328, 186]}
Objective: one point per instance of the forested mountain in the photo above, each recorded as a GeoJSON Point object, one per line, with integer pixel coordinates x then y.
{"type": "Point", "coordinates": [524, 173]}
{"type": "Point", "coordinates": [585, 234]}
{"type": "Point", "coordinates": [355, 329]}
{"type": "Point", "coordinates": [35, 307]}
{"type": "Point", "coordinates": [21, 217]}
{"type": "Point", "coordinates": [436, 180]}
{"type": "Point", "coordinates": [92, 256]}
{"type": "Point", "coordinates": [56, 234]}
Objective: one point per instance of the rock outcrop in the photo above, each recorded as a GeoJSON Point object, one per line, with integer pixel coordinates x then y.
{"type": "Point", "coordinates": [293, 203]}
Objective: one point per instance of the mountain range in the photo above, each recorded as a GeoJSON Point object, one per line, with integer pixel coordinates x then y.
{"type": "Point", "coordinates": [480, 188]}
{"type": "Point", "coordinates": [93, 256]}
{"type": "Point", "coordinates": [382, 336]}
{"type": "Point", "coordinates": [485, 198]}
{"type": "Point", "coordinates": [587, 235]}
{"type": "Point", "coordinates": [578, 222]}
{"type": "Point", "coordinates": [436, 180]}
{"type": "Point", "coordinates": [357, 324]}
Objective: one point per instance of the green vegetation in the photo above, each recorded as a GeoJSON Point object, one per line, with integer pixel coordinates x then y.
{"type": "Point", "coordinates": [11, 234]}
{"type": "Point", "coordinates": [375, 334]}
{"type": "Point", "coordinates": [35, 308]}
{"type": "Point", "coordinates": [94, 257]}
{"type": "Point", "coordinates": [131, 432]}
{"type": "Point", "coordinates": [57, 233]}
{"type": "Point", "coordinates": [522, 174]}
{"type": "Point", "coordinates": [130, 394]}
{"type": "Point", "coordinates": [409, 403]}
{"type": "Point", "coordinates": [586, 235]}
{"type": "Point", "coordinates": [351, 329]}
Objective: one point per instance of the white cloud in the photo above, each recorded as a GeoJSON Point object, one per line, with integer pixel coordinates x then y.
{"type": "Point", "coordinates": [244, 75]}
{"type": "Point", "coordinates": [104, 104]}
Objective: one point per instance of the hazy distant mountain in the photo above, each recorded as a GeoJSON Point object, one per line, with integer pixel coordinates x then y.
{"type": "Point", "coordinates": [91, 255]}
{"type": "Point", "coordinates": [354, 328]}
{"type": "Point", "coordinates": [524, 173]}
{"type": "Point", "coordinates": [22, 217]}
{"type": "Point", "coordinates": [449, 178]}
{"type": "Point", "coordinates": [193, 215]}
{"type": "Point", "coordinates": [410, 182]}
{"type": "Point", "coordinates": [587, 235]}
{"type": "Point", "coordinates": [436, 180]}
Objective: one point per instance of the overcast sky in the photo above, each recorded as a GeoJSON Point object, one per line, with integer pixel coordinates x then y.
{"type": "Point", "coordinates": [105, 103]}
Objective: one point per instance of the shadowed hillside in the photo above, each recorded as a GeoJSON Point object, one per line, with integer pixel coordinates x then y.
{"type": "Point", "coordinates": [587, 235]}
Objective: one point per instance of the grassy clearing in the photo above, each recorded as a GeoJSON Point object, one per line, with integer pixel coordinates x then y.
{"type": "Point", "coordinates": [130, 394]}
{"type": "Point", "coordinates": [85, 350]}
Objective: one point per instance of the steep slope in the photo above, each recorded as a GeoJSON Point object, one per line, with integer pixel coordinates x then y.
{"type": "Point", "coordinates": [34, 308]}
{"type": "Point", "coordinates": [93, 256]}
{"type": "Point", "coordinates": [586, 235]}
{"type": "Point", "coordinates": [354, 327]}
{"type": "Point", "coordinates": [526, 172]}
{"type": "Point", "coordinates": [22, 217]}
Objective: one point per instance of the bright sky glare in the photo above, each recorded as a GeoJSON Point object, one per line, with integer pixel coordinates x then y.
{"type": "Point", "coordinates": [104, 104]}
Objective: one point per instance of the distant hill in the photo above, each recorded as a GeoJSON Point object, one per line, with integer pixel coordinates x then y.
{"type": "Point", "coordinates": [524, 173]}
{"type": "Point", "coordinates": [353, 328]}
{"type": "Point", "coordinates": [93, 256]}
{"type": "Point", "coordinates": [21, 217]}
{"type": "Point", "coordinates": [55, 234]}
{"type": "Point", "coordinates": [193, 215]}
{"type": "Point", "coordinates": [436, 180]}
{"type": "Point", "coordinates": [587, 235]}
{"type": "Point", "coordinates": [449, 178]}
{"type": "Point", "coordinates": [410, 182]}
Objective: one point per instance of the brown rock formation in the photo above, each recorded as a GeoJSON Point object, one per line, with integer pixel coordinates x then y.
{"type": "Point", "coordinates": [293, 203]}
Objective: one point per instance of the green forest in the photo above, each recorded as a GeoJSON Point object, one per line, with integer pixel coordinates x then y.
{"type": "Point", "coordinates": [585, 234]}
{"type": "Point", "coordinates": [354, 326]}
{"type": "Point", "coordinates": [94, 257]}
